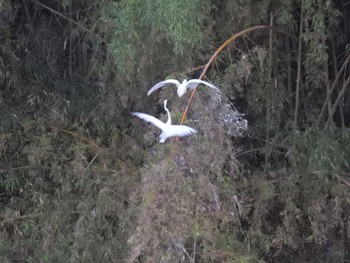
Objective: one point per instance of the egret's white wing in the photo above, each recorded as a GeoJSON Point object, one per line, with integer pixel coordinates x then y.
{"type": "Point", "coordinates": [175, 130]}
{"type": "Point", "coordinates": [151, 119]}
{"type": "Point", "coordinates": [163, 83]}
{"type": "Point", "coordinates": [182, 130]}
{"type": "Point", "coordinates": [192, 83]}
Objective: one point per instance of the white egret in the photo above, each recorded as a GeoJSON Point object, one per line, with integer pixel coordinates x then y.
{"type": "Point", "coordinates": [168, 130]}
{"type": "Point", "coordinates": [182, 87]}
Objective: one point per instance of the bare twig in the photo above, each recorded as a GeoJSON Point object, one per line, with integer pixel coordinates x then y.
{"type": "Point", "coordinates": [257, 150]}
{"type": "Point", "coordinates": [80, 137]}
{"type": "Point", "coordinates": [93, 159]}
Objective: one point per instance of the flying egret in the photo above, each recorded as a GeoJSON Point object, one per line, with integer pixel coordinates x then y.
{"type": "Point", "coordinates": [182, 87]}
{"type": "Point", "coordinates": [168, 130]}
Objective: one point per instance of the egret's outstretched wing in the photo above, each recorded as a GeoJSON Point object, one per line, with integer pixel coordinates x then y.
{"type": "Point", "coordinates": [182, 130]}
{"type": "Point", "coordinates": [163, 83]}
{"type": "Point", "coordinates": [192, 83]}
{"type": "Point", "coordinates": [151, 119]}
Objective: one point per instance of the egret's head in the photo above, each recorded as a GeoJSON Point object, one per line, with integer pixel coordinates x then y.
{"type": "Point", "coordinates": [165, 102]}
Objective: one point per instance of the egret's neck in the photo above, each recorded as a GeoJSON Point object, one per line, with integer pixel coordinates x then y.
{"type": "Point", "coordinates": [169, 117]}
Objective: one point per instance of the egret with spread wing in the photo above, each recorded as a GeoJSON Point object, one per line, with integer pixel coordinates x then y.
{"type": "Point", "coordinates": [182, 87]}
{"type": "Point", "coordinates": [168, 130]}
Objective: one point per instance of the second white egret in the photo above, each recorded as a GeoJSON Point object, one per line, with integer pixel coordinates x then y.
{"type": "Point", "coordinates": [168, 130]}
{"type": "Point", "coordinates": [182, 87]}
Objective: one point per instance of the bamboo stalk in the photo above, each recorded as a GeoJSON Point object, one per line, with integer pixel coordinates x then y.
{"type": "Point", "coordinates": [335, 68]}
{"type": "Point", "coordinates": [268, 103]}
{"type": "Point", "coordinates": [336, 103]}
{"type": "Point", "coordinates": [325, 69]}
{"type": "Point", "coordinates": [334, 85]}
{"type": "Point", "coordinates": [297, 88]}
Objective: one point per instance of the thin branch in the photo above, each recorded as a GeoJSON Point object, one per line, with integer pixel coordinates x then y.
{"type": "Point", "coordinates": [80, 137]}
{"type": "Point", "coordinates": [257, 150]}
{"type": "Point", "coordinates": [93, 159]}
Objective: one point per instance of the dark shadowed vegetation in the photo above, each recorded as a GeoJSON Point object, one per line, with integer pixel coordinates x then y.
{"type": "Point", "coordinates": [81, 180]}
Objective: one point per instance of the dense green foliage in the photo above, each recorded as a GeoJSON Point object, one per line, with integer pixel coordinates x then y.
{"type": "Point", "coordinates": [83, 181]}
{"type": "Point", "coordinates": [143, 25]}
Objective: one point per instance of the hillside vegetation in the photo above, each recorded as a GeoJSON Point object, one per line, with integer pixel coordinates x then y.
{"type": "Point", "coordinates": [265, 179]}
